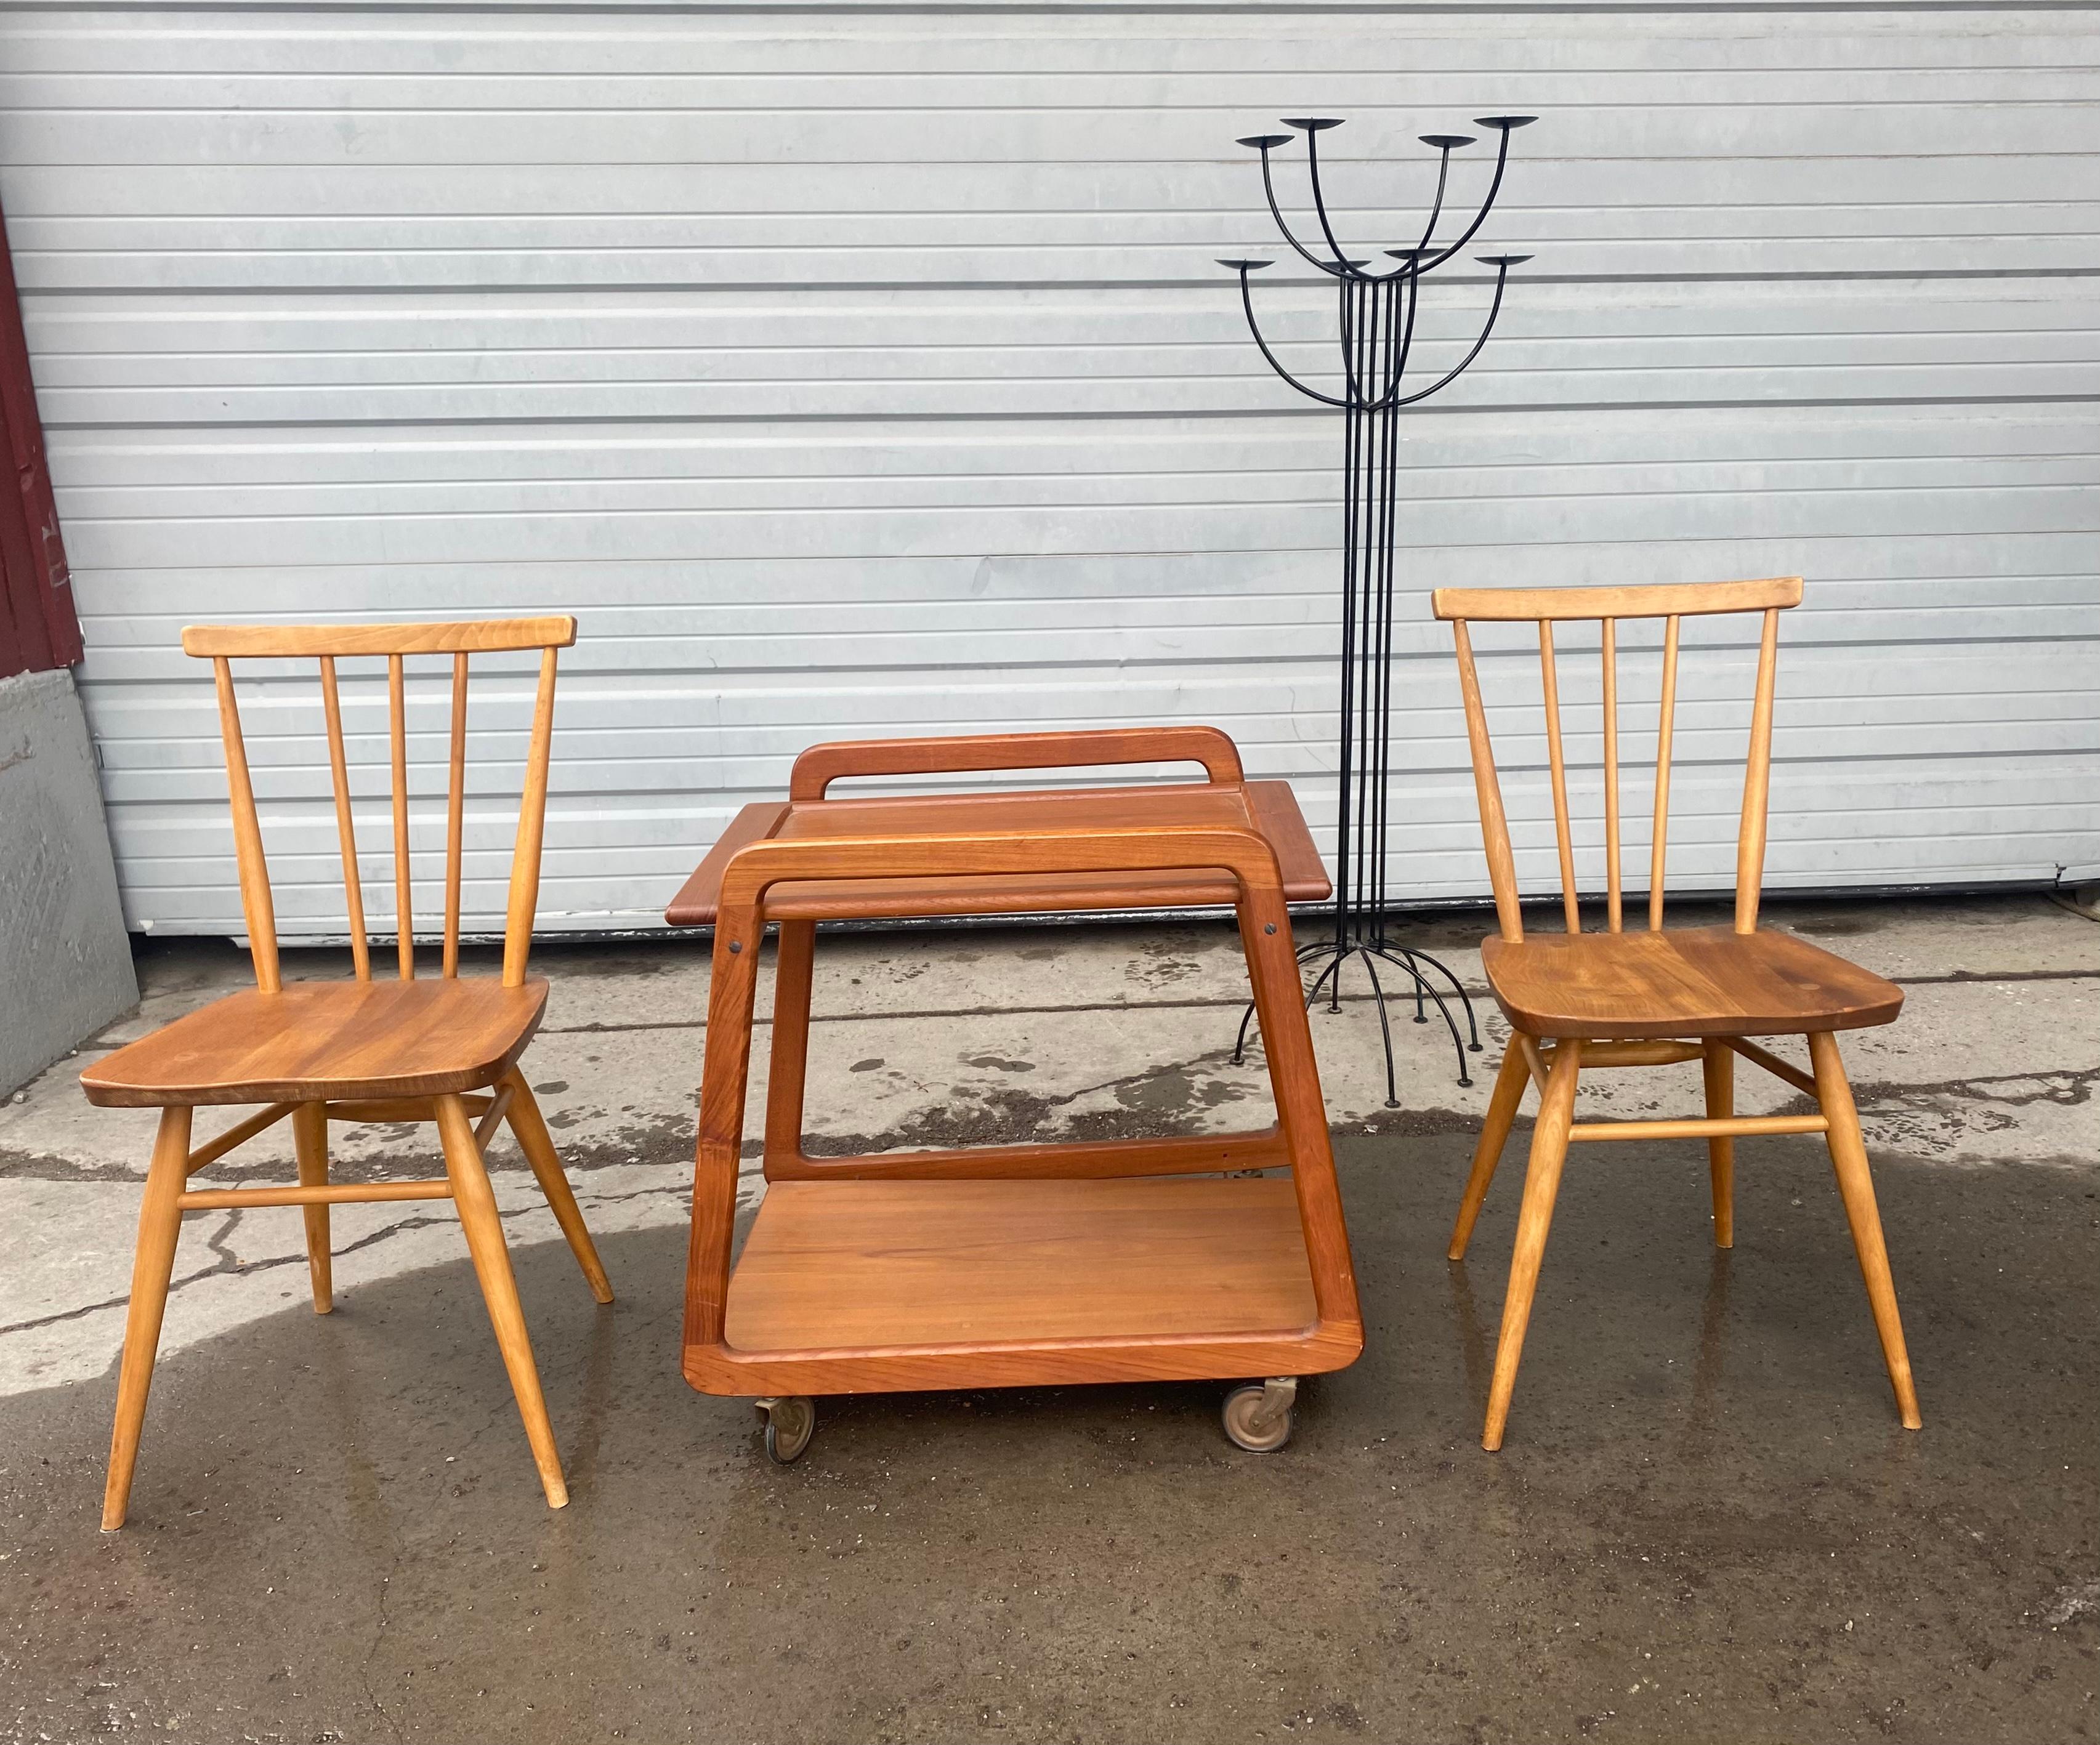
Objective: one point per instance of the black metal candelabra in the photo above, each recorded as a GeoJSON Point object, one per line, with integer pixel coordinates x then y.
{"type": "Point", "coordinates": [1376, 319]}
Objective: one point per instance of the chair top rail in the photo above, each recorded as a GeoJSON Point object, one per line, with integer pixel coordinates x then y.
{"type": "Point", "coordinates": [486, 636]}
{"type": "Point", "coordinates": [1665, 600]}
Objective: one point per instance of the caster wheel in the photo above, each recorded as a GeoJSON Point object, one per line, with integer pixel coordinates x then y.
{"type": "Point", "coordinates": [790, 1423]}
{"type": "Point", "coordinates": [1258, 1417]}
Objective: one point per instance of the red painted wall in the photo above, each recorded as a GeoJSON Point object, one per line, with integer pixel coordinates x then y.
{"type": "Point", "coordinates": [37, 628]}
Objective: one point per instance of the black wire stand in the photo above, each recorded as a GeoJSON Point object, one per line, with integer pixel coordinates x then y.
{"type": "Point", "coordinates": [1377, 318]}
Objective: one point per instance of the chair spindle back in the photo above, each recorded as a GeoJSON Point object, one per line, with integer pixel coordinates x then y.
{"type": "Point", "coordinates": [223, 644]}
{"type": "Point", "coordinates": [1548, 607]}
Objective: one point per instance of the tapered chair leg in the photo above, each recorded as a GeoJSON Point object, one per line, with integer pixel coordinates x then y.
{"type": "Point", "coordinates": [1503, 1105]}
{"type": "Point", "coordinates": [1719, 1064]}
{"type": "Point", "coordinates": [530, 1128]}
{"type": "Point", "coordinates": [310, 1137]}
{"type": "Point", "coordinates": [1542, 1185]}
{"type": "Point", "coordinates": [159, 1227]}
{"type": "Point", "coordinates": [787, 1077]}
{"type": "Point", "coordinates": [492, 1265]}
{"type": "Point", "coordinates": [1856, 1184]}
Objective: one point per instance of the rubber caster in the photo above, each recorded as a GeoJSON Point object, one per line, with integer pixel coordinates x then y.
{"type": "Point", "coordinates": [1259, 1416]}
{"type": "Point", "coordinates": [790, 1422]}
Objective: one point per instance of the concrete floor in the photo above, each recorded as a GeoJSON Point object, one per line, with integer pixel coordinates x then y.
{"type": "Point", "coordinates": [1706, 1523]}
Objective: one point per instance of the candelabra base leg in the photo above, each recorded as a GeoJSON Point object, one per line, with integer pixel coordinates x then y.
{"type": "Point", "coordinates": [1414, 960]}
{"type": "Point", "coordinates": [1340, 950]}
{"type": "Point", "coordinates": [1385, 1028]}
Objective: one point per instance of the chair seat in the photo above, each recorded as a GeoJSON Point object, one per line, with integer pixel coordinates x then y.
{"type": "Point", "coordinates": [318, 1040]}
{"type": "Point", "coordinates": [1692, 982]}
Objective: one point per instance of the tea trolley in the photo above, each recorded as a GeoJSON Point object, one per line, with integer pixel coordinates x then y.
{"type": "Point", "coordinates": [1147, 1259]}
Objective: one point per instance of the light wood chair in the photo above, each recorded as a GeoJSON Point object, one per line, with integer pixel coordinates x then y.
{"type": "Point", "coordinates": [1646, 998]}
{"type": "Point", "coordinates": [442, 1049]}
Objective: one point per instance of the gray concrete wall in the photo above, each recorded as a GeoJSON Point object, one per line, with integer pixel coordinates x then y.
{"type": "Point", "coordinates": [65, 960]}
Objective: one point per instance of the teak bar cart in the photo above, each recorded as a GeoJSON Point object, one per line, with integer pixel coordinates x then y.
{"type": "Point", "coordinates": [1018, 1265]}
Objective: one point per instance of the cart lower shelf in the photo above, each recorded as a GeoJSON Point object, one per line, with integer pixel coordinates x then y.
{"type": "Point", "coordinates": [875, 1286]}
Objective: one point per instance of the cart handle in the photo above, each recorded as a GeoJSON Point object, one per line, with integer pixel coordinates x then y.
{"type": "Point", "coordinates": [821, 765]}
{"type": "Point", "coordinates": [759, 865]}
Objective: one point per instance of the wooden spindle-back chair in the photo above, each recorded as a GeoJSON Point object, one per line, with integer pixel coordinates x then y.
{"type": "Point", "coordinates": [442, 1049]}
{"type": "Point", "coordinates": [1654, 997]}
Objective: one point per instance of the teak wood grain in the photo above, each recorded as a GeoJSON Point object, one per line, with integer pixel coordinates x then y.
{"type": "Point", "coordinates": [950, 1262]}
{"type": "Point", "coordinates": [1012, 1264]}
{"type": "Point", "coordinates": [1268, 806]}
{"type": "Point", "coordinates": [1682, 982]}
{"type": "Point", "coordinates": [967, 753]}
{"type": "Point", "coordinates": [1662, 996]}
{"type": "Point", "coordinates": [357, 1050]}
{"type": "Point", "coordinates": [326, 1041]}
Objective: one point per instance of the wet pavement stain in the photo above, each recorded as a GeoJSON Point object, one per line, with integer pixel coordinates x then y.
{"type": "Point", "coordinates": [1706, 1523]}
{"type": "Point", "coordinates": [1156, 1102]}
{"type": "Point", "coordinates": [1851, 926]}
{"type": "Point", "coordinates": [1176, 1091]}
{"type": "Point", "coordinates": [1164, 958]}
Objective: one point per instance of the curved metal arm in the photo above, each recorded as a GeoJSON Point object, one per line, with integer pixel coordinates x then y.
{"type": "Point", "coordinates": [1246, 303]}
{"type": "Point", "coordinates": [1480, 217]}
{"type": "Point", "coordinates": [1275, 212]}
{"type": "Point", "coordinates": [1502, 278]}
{"type": "Point", "coordinates": [1320, 206]}
{"type": "Point", "coordinates": [1411, 267]}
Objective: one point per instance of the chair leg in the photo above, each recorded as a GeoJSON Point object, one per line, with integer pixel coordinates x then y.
{"type": "Point", "coordinates": [499, 1288]}
{"type": "Point", "coordinates": [530, 1127]}
{"type": "Point", "coordinates": [310, 1137]}
{"type": "Point", "coordinates": [1719, 1065]}
{"type": "Point", "coordinates": [1856, 1184]}
{"type": "Point", "coordinates": [1503, 1105]}
{"type": "Point", "coordinates": [787, 1078]}
{"type": "Point", "coordinates": [1541, 1184]}
{"type": "Point", "coordinates": [159, 1227]}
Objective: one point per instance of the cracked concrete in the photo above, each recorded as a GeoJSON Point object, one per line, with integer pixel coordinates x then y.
{"type": "Point", "coordinates": [1060, 1534]}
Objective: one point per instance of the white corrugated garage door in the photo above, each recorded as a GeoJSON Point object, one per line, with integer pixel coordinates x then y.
{"type": "Point", "coordinates": [855, 370]}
